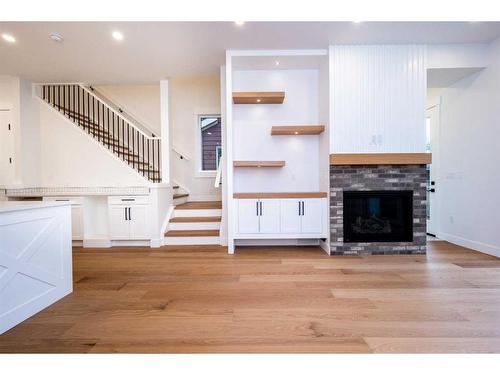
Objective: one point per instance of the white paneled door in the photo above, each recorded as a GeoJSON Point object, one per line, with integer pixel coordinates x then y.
{"type": "Point", "coordinates": [269, 211]}
{"type": "Point", "coordinates": [312, 216]}
{"type": "Point", "coordinates": [248, 216]}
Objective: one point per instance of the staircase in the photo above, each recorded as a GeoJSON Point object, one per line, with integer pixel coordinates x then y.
{"type": "Point", "coordinates": [107, 126]}
{"type": "Point", "coordinates": [194, 223]}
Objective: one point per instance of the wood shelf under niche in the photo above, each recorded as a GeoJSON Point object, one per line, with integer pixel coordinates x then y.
{"type": "Point", "coordinates": [256, 97]}
{"type": "Point", "coordinates": [297, 129]}
{"type": "Point", "coordinates": [302, 194]}
{"type": "Point", "coordinates": [258, 163]}
{"type": "Point", "coordinates": [381, 158]}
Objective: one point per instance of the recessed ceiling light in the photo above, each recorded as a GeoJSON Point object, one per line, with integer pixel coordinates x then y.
{"type": "Point", "coordinates": [56, 37]}
{"type": "Point", "coordinates": [8, 38]}
{"type": "Point", "coordinates": [277, 63]}
{"type": "Point", "coordinates": [239, 23]}
{"type": "Point", "coordinates": [117, 35]}
{"type": "Point", "coordinates": [296, 133]}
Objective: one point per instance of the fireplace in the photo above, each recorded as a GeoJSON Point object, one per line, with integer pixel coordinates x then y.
{"type": "Point", "coordinates": [377, 209]}
{"type": "Point", "coordinates": [378, 216]}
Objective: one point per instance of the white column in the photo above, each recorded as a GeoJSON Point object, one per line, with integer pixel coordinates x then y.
{"type": "Point", "coordinates": [165, 135]}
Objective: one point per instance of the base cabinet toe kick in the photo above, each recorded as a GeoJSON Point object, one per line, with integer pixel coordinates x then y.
{"type": "Point", "coordinates": [281, 218]}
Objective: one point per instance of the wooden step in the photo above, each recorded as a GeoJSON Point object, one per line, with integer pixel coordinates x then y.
{"type": "Point", "coordinates": [180, 195]}
{"type": "Point", "coordinates": [196, 219]}
{"type": "Point", "coordinates": [192, 233]}
{"type": "Point", "coordinates": [207, 205]}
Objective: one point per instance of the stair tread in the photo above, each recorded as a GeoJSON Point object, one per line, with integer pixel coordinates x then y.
{"type": "Point", "coordinates": [192, 233]}
{"type": "Point", "coordinates": [207, 205]}
{"type": "Point", "coordinates": [180, 195]}
{"type": "Point", "coordinates": [196, 219]}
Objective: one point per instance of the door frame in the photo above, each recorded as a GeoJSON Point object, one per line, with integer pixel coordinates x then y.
{"type": "Point", "coordinates": [433, 110]}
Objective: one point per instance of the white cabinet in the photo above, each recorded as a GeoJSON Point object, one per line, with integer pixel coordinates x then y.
{"type": "Point", "coordinates": [282, 218]}
{"type": "Point", "coordinates": [248, 217]}
{"type": "Point", "coordinates": [128, 218]}
{"type": "Point", "coordinates": [312, 216]}
{"type": "Point", "coordinates": [269, 214]}
{"type": "Point", "coordinates": [77, 228]}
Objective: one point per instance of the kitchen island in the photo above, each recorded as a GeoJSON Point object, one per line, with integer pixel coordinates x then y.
{"type": "Point", "coordinates": [35, 258]}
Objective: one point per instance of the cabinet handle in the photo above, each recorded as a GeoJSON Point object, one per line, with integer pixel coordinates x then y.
{"type": "Point", "coordinates": [257, 207]}
{"type": "Point", "coordinates": [260, 208]}
{"type": "Point", "coordinates": [303, 208]}
{"type": "Point", "coordinates": [128, 200]}
{"type": "Point", "coordinates": [129, 214]}
{"type": "Point", "coordinates": [126, 214]}
{"type": "Point", "coordinates": [299, 208]}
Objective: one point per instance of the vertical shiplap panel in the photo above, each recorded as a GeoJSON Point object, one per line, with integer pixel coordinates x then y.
{"type": "Point", "coordinates": [378, 91]}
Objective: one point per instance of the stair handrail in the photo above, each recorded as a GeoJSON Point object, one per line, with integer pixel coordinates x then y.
{"type": "Point", "coordinates": [119, 108]}
{"type": "Point", "coordinates": [113, 110]}
{"type": "Point", "coordinates": [181, 154]}
{"type": "Point", "coordinates": [218, 175]}
{"type": "Point", "coordinates": [117, 113]}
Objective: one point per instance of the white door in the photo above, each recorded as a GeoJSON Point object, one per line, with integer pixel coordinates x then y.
{"type": "Point", "coordinates": [119, 227]}
{"type": "Point", "coordinates": [138, 220]}
{"type": "Point", "coordinates": [6, 148]}
{"type": "Point", "coordinates": [432, 132]}
{"type": "Point", "coordinates": [269, 215]}
{"type": "Point", "coordinates": [290, 215]}
{"type": "Point", "coordinates": [312, 215]}
{"type": "Point", "coordinates": [248, 216]}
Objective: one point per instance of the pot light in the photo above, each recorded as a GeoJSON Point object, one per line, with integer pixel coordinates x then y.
{"type": "Point", "coordinates": [117, 35]}
{"type": "Point", "coordinates": [296, 133]}
{"type": "Point", "coordinates": [277, 63]}
{"type": "Point", "coordinates": [8, 38]}
{"type": "Point", "coordinates": [239, 23]}
{"type": "Point", "coordinates": [56, 37]}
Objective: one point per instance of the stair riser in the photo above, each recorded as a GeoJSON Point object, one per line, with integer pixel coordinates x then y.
{"type": "Point", "coordinates": [191, 241]}
{"type": "Point", "coordinates": [180, 200]}
{"type": "Point", "coordinates": [193, 226]}
{"type": "Point", "coordinates": [195, 213]}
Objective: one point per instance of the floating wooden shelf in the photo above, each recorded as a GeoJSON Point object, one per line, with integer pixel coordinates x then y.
{"type": "Point", "coordinates": [298, 130]}
{"type": "Point", "coordinates": [258, 97]}
{"type": "Point", "coordinates": [381, 158]}
{"type": "Point", "coordinates": [303, 194]}
{"type": "Point", "coordinates": [259, 164]}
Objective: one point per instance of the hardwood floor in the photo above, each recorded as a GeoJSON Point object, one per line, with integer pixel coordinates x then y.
{"type": "Point", "coordinates": [199, 299]}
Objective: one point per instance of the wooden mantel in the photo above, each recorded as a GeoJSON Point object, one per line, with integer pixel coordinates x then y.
{"type": "Point", "coordinates": [381, 158]}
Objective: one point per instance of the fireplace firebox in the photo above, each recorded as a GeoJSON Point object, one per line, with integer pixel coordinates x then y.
{"type": "Point", "coordinates": [378, 216]}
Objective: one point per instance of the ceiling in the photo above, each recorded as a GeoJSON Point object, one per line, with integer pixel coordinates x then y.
{"type": "Point", "coordinates": [151, 51]}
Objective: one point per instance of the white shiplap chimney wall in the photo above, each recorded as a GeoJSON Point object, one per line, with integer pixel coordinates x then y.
{"type": "Point", "coordinates": [378, 97]}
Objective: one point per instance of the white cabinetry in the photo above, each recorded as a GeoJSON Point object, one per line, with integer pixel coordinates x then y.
{"type": "Point", "coordinates": [128, 217]}
{"type": "Point", "coordinates": [77, 228]}
{"type": "Point", "coordinates": [282, 218]}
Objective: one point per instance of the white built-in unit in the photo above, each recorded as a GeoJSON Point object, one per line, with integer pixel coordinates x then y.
{"type": "Point", "coordinates": [276, 146]}
{"type": "Point", "coordinates": [35, 258]}
{"type": "Point", "coordinates": [128, 217]}
{"type": "Point", "coordinates": [77, 221]}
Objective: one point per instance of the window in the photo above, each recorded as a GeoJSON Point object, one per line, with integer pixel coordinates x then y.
{"type": "Point", "coordinates": [211, 149]}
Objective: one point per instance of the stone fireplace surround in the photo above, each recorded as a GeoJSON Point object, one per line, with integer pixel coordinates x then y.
{"type": "Point", "coordinates": [377, 177]}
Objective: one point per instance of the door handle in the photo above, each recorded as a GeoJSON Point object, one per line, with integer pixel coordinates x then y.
{"type": "Point", "coordinates": [431, 190]}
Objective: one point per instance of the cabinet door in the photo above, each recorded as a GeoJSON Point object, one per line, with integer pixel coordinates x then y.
{"type": "Point", "coordinates": [119, 228]}
{"type": "Point", "coordinates": [312, 216]}
{"type": "Point", "coordinates": [6, 148]}
{"type": "Point", "coordinates": [269, 215]}
{"type": "Point", "coordinates": [290, 216]}
{"type": "Point", "coordinates": [248, 216]}
{"type": "Point", "coordinates": [139, 224]}
{"type": "Point", "coordinates": [77, 222]}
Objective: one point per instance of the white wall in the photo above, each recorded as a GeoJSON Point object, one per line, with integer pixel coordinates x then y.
{"type": "Point", "coordinates": [378, 98]}
{"type": "Point", "coordinates": [469, 171]}
{"type": "Point", "coordinates": [142, 102]}
{"type": "Point", "coordinates": [189, 98]}
{"type": "Point", "coordinates": [252, 138]}
{"type": "Point", "coordinates": [69, 157]}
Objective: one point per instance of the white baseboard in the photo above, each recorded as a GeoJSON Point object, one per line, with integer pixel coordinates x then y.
{"type": "Point", "coordinates": [96, 242]}
{"type": "Point", "coordinates": [142, 243]}
{"type": "Point", "coordinates": [475, 245]}
{"type": "Point", "coordinates": [325, 245]}
{"type": "Point", "coordinates": [158, 242]}
{"type": "Point", "coordinates": [276, 242]}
